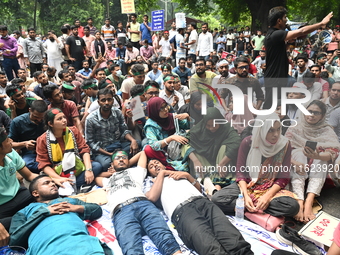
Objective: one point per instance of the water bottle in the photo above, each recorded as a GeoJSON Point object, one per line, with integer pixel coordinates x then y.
{"type": "Point", "coordinates": [239, 209]}
{"type": "Point", "coordinates": [74, 183]}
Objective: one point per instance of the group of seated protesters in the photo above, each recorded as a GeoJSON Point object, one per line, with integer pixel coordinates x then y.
{"type": "Point", "coordinates": [88, 127]}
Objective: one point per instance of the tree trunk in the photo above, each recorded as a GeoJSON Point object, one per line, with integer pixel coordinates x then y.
{"type": "Point", "coordinates": [259, 10]}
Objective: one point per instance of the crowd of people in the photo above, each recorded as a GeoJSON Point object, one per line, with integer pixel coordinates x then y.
{"type": "Point", "coordinates": [68, 103]}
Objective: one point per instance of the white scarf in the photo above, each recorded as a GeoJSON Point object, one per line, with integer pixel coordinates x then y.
{"type": "Point", "coordinates": [260, 147]}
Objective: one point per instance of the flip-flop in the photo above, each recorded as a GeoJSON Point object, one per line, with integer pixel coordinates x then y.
{"type": "Point", "coordinates": [316, 206]}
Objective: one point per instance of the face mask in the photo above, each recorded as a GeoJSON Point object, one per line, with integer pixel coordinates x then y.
{"type": "Point", "coordinates": [144, 46]}
{"type": "Point", "coordinates": [119, 72]}
{"type": "Point", "coordinates": [4, 37]}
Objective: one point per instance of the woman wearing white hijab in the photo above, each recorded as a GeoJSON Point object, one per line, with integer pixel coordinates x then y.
{"type": "Point", "coordinates": [262, 170]}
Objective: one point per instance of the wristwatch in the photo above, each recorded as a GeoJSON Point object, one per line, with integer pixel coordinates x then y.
{"type": "Point", "coordinates": [90, 169]}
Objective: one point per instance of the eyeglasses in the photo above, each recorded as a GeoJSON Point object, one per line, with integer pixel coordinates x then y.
{"type": "Point", "coordinates": [120, 157]}
{"type": "Point", "coordinates": [155, 93]}
{"type": "Point", "coordinates": [242, 67]}
{"type": "Point", "coordinates": [167, 107]}
{"type": "Point", "coordinates": [315, 113]}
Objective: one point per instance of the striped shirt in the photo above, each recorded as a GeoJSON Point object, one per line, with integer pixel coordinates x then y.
{"type": "Point", "coordinates": [108, 32]}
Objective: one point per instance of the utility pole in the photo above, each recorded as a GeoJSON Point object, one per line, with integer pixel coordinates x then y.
{"type": "Point", "coordinates": [166, 10]}
{"type": "Point", "coordinates": [107, 8]}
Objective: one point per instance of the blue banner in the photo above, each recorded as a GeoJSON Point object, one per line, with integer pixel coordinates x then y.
{"type": "Point", "coordinates": [157, 20]}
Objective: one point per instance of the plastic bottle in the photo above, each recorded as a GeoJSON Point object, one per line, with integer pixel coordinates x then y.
{"type": "Point", "coordinates": [74, 183]}
{"type": "Point", "coordinates": [239, 209]}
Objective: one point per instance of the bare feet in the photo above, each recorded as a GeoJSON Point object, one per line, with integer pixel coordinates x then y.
{"type": "Point", "coordinates": [299, 216]}
{"type": "Point", "coordinates": [308, 214]}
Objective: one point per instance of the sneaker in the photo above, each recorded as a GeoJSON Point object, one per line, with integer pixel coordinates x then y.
{"type": "Point", "coordinates": [291, 237]}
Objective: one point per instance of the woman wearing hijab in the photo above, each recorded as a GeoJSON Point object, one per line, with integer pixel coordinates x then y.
{"type": "Point", "coordinates": [194, 107]}
{"type": "Point", "coordinates": [309, 163]}
{"type": "Point", "coordinates": [262, 170]}
{"type": "Point", "coordinates": [63, 149]}
{"type": "Point", "coordinates": [98, 49]}
{"type": "Point", "coordinates": [213, 145]}
{"type": "Point", "coordinates": [160, 130]}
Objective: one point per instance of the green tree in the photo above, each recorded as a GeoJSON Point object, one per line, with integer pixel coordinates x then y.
{"type": "Point", "coordinates": [233, 10]}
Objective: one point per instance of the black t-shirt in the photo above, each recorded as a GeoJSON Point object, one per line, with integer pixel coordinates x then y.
{"type": "Point", "coordinates": [276, 56]}
{"type": "Point", "coordinates": [77, 45]}
{"type": "Point", "coordinates": [240, 44]}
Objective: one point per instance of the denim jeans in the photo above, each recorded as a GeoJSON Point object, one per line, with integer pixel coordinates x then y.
{"type": "Point", "coordinates": [140, 218]}
{"type": "Point", "coordinates": [9, 66]}
{"type": "Point", "coordinates": [239, 53]}
{"type": "Point", "coordinates": [96, 169]}
{"type": "Point", "coordinates": [105, 160]}
{"type": "Point", "coordinates": [30, 160]}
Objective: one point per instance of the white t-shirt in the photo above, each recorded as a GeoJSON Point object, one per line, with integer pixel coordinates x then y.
{"type": "Point", "coordinates": [175, 192]}
{"type": "Point", "coordinates": [193, 47]}
{"type": "Point", "coordinates": [129, 83]}
{"type": "Point", "coordinates": [231, 37]}
{"type": "Point", "coordinates": [124, 185]}
{"type": "Point", "coordinates": [180, 40]}
{"type": "Point", "coordinates": [166, 47]}
{"type": "Point", "coordinates": [246, 33]}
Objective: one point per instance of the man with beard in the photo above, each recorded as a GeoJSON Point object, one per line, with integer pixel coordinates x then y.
{"type": "Point", "coordinates": [22, 74]}
{"type": "Point", "coordinates": [302, 62]}
{"type": "Point", "coordinates": [18, 103]}
{"type": "Point", "coordinates": [201, 77]}
{"type": "Point", "coordinates": [333, 101]}
{"type": "Point", "coordinates": [258, 62]}
{"type": "Point", "coordinates": [205, 43]}
{"type": "Point", "coordinates": [69, 108]}
{"type": "Point", "coordinates": [132, 213]}
{"type": "Point", "coordinates": [34, 52]}
{"type": "Point", "coordinates": [321, 60]}
{"type": "Point", "coordinates": [31, 227]}
{"type": "Point", "coordinates": [244, 81]}
{"type": "Point", "coordinates": [75, 47]}
{"type": "Point", "coordinates": [223, 69]}
{"type": "Point", "coordinates": [169, 94]}
{"type": "Point", "coordinates": [182, 199]}
{"type": "Point", "coordinates": [53, 47]}
{"type": "Point", "coordinates": [42, 80]}
{"type": "Point", "coordinates": [183, 72]}
{"type": "Point", "coordinates": [86, 71]}
{"type": "Point", "coordinates": [316, 69]}
{"type": "Point", "coordinates": [257, 43]}
{"type": "Point", "coordinates": [25, 130]}
{"type": "Point", "coordinates": [100, 126]}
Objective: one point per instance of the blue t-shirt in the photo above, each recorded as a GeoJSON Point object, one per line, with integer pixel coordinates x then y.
{"type": "Point", "coordinates": [146, 34]}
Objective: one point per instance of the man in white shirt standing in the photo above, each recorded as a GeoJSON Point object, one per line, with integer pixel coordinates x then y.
{"type": "Point", "coordinates": [166, 46]}
{"type": "Point", "coordinates": [181, 49]}
{"type": "Point", "coordinates": [205, 43]}
{"type": "Point", "coordinates": [53, 47]}
{"type": "Point", "coordinates": [193, 38]}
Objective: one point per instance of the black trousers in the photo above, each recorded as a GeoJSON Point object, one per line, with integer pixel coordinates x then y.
{"type": "Point", "coordinates": [203, 227]}
{"type": "Point", "coordinates": [7, 210]}
{"type": "Point", "coordinates": [34, 68]}
{"type": "Point", "coordinates": [280, 206]}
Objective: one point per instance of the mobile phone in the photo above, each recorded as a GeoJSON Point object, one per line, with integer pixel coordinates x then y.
{"type": "Point", "coordinates": [15, 101]}
{"type": "Point", "coordinates": [99, 54]}
{"type": "Point", "coordinates": [311, 145]}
